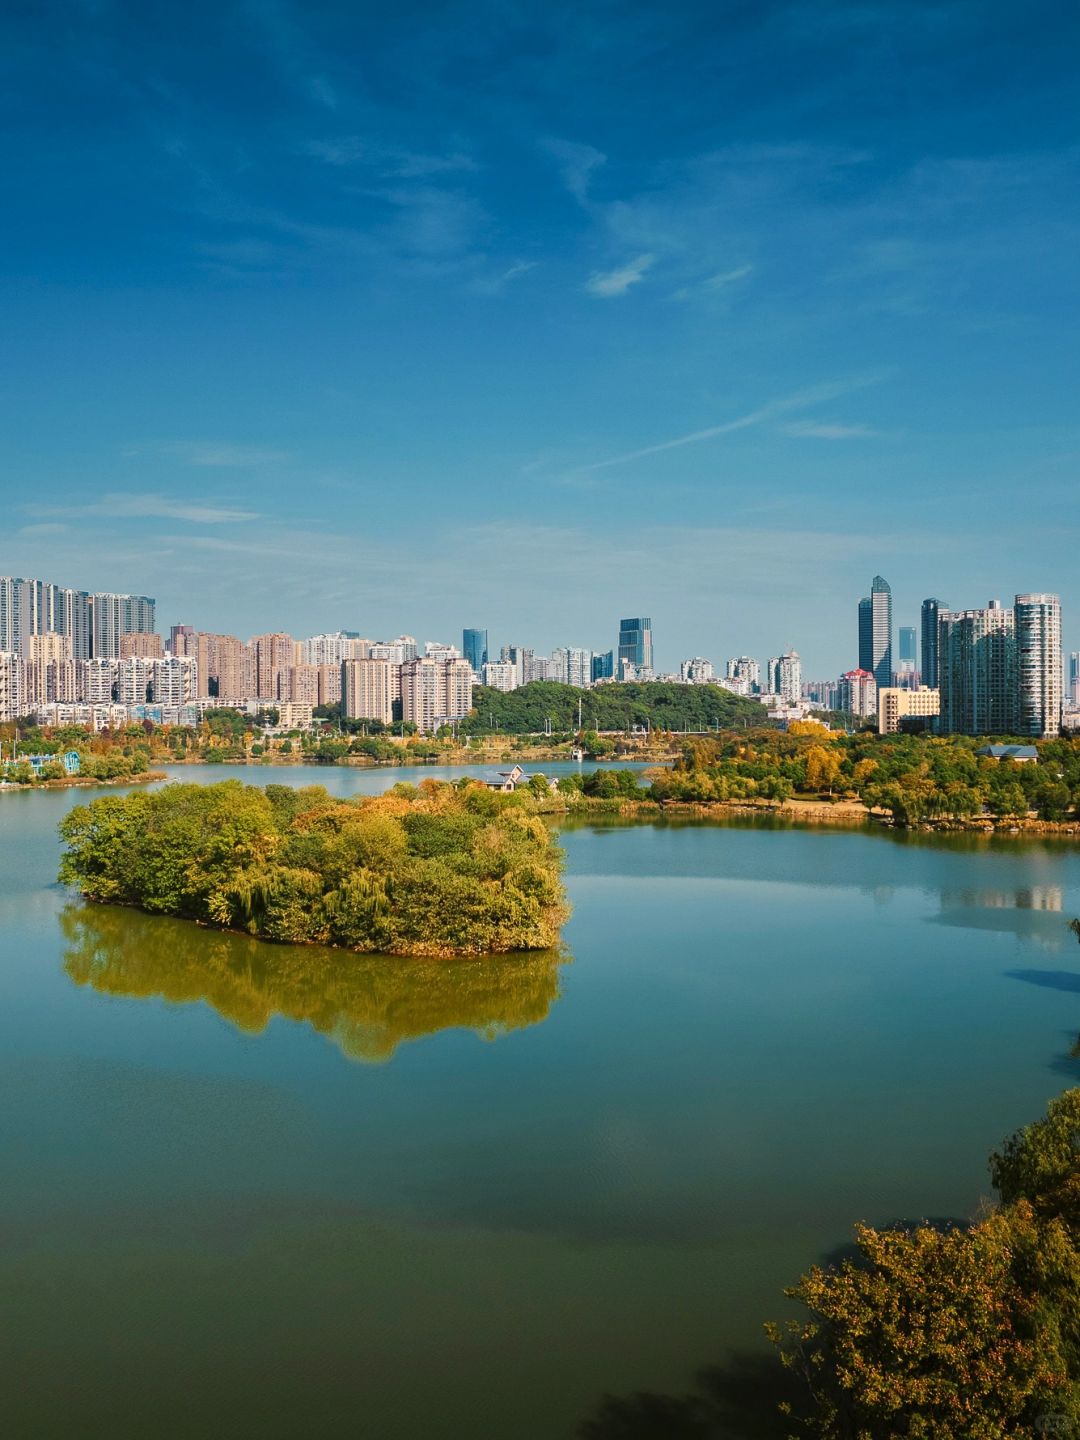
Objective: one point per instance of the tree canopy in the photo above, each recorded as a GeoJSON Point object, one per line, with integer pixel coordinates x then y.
{"type": "Point", "coordinates": [435, 869]}
{"type": "Point", "coordinates": [656, 704]}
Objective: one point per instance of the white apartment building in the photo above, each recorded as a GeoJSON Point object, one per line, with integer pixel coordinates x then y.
{"type": "Point", "coordinates": [396, 651]}
{"type": "Point", "coordinates": [172, 681]}
{"type": "Point", "coordinates": [697, 671]}
{"type": "Point", "coordinates": [96, 679]}
{"type": "Point", "coordinates": [857, 693]}
{"type": "Point", "coordinates": [331, 649]}
{"type": "Point", "coordinates": [1038, 665]}
{"type": "Point", "coordinates": [783, 677]}
{"type": "Point", "coordinates": [499, 675]}
{"type": "Point", "coordinates": [573, 666]}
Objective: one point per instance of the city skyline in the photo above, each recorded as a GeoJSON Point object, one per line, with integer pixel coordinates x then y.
{"type": "Point", "coordinates": [310, 343]}
{"type": "Point", "coordinates": [874, 642]}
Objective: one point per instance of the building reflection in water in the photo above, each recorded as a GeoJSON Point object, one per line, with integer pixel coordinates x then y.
{"type": "Point", "coordinates": [366, 1004]}
{"type": "Point", "coordinates": [1027, 897]}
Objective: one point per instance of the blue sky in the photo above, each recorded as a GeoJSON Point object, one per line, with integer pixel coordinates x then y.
{"type": "Point", "coordinates": [535, 315]}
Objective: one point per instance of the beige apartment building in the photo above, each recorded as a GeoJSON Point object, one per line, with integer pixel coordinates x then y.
{"type": "Point", "coordinates": [367, 689]}
{"type": "Point", "coordinates": [50, 674]}
{"type": "Point", "coordinates": [435, 691]}
{"type": "Point", "coordinates": [896, 704]}
{"type": "Point", "coordinates": [314, 685]}
{"type": "Point", "coordinates": [275, 656]}
{"type": "Point", "coordinates": [11, 685]}
{"type": "Point", "coordinates": [224, 664]}
{"type": "Point", "coordinates": [142, 645]}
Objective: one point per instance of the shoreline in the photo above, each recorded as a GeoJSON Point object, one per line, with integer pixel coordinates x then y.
{"type": "Point", "coordinates": [74, 782]}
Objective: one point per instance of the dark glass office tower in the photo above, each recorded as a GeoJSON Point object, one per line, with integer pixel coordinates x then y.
{"type": "Point", "coordinates": [931, 609]}
{"type": "Point", "coordinates": [635, 642]}
{"type": "Point", "coordinates": [866, 634]}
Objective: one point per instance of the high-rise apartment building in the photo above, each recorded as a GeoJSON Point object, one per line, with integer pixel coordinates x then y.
{"type": "Point", "coordinates": [224, 664]}
{"type": "Point", "coordinates": [396, 651]}
{"type": "Point", "coordinates": [474, 647]}
{"type": "Point", "coordinates": [12, 703]}
{"type": "Point", "coordinates": [745, 672]}
{"type": "Point", "coordinates": [1038, 665]}
{"type": "Point", "coordinates": [572, 666]}
{"type": "Point", "coordinates": [367, 690]}
{"type": "Point", "coordinates": [636, 643]}
{"type": "Point", "coordinates": [499, 675]}
{"type": "Point", "coordinates": [521, 658]}
{"type": "Point", "coordinates": [977, 671]}
{"type": "Point", "coordinates": [332, 649]}
{"type": "Point", "coordinates": [71, 617]}
{"type": "Point", "coordinates": [96, 681]}
{"type": "Point", "coordinates": [856, 693]}
{"type": "Point", "coordinates": [171, 681]}
{"type": "Point", "coordinates": [697, 671]}
{"type": "Point", "coordinates": [435, 691]}
{"type": "Point", "coordinates": [49, 675]}
{"type": "Point", "coordinates": [149, 647]}
{"type": "Point", "coordinates": [112, 616]}
{"type": "Point", "coordinates": [275, 655]}
{"type": "Point", "coordinates": [928, 671]}
{"type": "Point", "coordinates": [603, 666]}
{"type": "Point", "coordinates": [783, 676]}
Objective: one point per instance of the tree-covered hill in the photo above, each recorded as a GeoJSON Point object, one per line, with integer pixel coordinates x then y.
{"type": "Point", "coordinates": [656, 704]}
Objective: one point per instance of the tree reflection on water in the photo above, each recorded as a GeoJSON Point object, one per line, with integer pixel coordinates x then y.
{"type": "Point", "coordinates": [366, 1004]}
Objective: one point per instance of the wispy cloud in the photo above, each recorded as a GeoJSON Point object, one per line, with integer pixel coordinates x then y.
{"type": "Point", "coordinates": [496, 284]}
{"type": "Point", "coordinates": [714, 284]}
{"type": "Point", "coordinates": [608, 283]}
{"type": "Point", "coordinates": [817, 395]}
{"type": "Point", "coordinates": [31, 532]}
{"type": "Point", "coordinates": [818, 430]}
{"type": "Point", "coordinates": [213, 454]}
{"type": "Point", "coordinates": [576, 165]}
{"type": "Point", "coordinates": [132, 506]}
{"type": "Point", "coordinates": [391, 160]}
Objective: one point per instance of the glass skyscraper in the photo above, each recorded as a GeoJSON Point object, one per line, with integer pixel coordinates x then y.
{"type": "Point", "coordinates": [635, 642]}
{"type": "Point", "coordinates": [474, 647]}
{"type": "Point", "coordinates": [931, 609]}
{"type": "Point", "coordinates": [875, 632]}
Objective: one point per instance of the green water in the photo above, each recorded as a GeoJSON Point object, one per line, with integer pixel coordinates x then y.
{"type": "Point", "coordinates": [256, 1191]}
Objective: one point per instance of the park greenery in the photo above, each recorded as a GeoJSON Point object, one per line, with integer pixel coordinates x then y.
{"type": "Point", "coordinates": [914, 778]}
{"type": "Point", "coordinates": [545, 705]}
{"type": "Point", "coordinates": [955, 1331]}
{"type": "Point", "coordinates": [122, 756]}
{"type": "Point", "coordinates": [431, 870]}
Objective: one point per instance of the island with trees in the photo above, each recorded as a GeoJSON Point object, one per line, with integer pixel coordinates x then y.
{"type": "Point", "coordinates": [436, 869]}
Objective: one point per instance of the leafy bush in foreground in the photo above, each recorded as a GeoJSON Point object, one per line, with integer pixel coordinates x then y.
{"type": "Point", "coordinates": [956, 1333]}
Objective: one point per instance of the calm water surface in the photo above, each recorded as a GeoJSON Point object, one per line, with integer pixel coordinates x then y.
{"type": "Point", "coordinates": [257, 1191]}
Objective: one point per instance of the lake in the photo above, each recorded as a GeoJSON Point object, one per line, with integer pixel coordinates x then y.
{"type": "Point", "coordinates": [259, 1191]}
